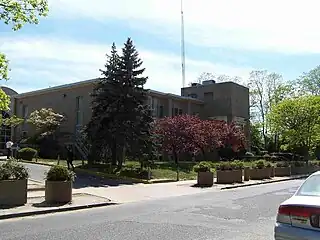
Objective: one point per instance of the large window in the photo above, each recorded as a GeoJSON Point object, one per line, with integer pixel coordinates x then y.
{"type": "Point", "coordinates": [79, 111]}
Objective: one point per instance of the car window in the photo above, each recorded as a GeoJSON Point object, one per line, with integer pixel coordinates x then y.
{"type": "Point", "coordinates": [311, 187]}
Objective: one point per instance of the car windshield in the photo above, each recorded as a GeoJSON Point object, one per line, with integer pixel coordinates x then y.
{"type": "Point", "coordinates": [311, 187]}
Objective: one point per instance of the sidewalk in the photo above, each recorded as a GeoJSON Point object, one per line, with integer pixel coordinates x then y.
{"type": "Point", "coordinates": [140, 192]}
{"type": "Point", "coordinates": [89, 197]}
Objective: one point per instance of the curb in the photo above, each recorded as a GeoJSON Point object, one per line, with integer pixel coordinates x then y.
{"type": "Point", "coordinates": [47, 211]}
{"type": "Point", "coordinates": [261, 183]}
{"type": "Point", "coordinates": [36, 189]}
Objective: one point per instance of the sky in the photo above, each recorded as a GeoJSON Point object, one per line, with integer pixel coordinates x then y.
{"type": "Point", "coordinates": [229, 37]}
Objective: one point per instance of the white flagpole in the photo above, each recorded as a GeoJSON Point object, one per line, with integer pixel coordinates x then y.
{"type": "Point", "coordinates": [183, 57]}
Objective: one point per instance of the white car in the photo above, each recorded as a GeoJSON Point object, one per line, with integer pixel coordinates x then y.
{"type": "Point", "coordinates": [299, 217]}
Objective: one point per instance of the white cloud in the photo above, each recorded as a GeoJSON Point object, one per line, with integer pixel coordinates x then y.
{"type": "Point", "coordinates": [57, 61]}
{"type": "Point", "coordinates": [271, 25]}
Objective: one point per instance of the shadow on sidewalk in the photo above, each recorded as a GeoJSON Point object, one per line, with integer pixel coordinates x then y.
{"type": "Point", "coordinates": [84, 180]}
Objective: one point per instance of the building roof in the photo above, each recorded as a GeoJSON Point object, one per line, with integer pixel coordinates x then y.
{"type": "Point", "coordinates": [89, 82]}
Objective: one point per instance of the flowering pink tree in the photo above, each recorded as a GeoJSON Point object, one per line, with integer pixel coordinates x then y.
{"type": "Point", "coordinates": [176, 133]}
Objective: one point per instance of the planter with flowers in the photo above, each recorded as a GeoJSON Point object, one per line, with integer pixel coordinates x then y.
{"type": "Point", "coordinates": [13, 183]}
{"type": "Point", "coordinates": [205, 175]}
{"type": "Point", "coordinates": [282, 169]}
{"type": "Point", "coordinates": [58, 185]}
{"type": "Point", "coordinates": [229, 172]}
{"type": "Point", "coordinates": [259, 170]}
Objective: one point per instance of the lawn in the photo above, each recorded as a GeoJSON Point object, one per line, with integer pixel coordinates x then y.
{"type": "Point", "coordinates": [160, 170]}
{"type": "Point", "coordinates": [131, 169]}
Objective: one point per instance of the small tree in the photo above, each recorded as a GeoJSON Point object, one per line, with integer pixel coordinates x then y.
{"type": "Point", "coordinates": [45, 120]}
{"type": "Point", "coordinates": [207, 135]}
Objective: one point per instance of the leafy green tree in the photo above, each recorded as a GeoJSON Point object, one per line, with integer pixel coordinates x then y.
{"type": "Point", "coordinates": [297, 121]}
{"type": "Point", "coordinates": [266, 89]}
{"type": "Point", "coordinates": [309, 82]}
{"type": "Point", "coordinates": [16, 13]}
{"type": "Point", "coordinates": [120, 113]}
{"type": "Point", "coordinates": [45, 120]}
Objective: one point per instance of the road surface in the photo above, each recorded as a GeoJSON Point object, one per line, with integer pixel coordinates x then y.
{"type": "Point", "coordinates": [238, 214]}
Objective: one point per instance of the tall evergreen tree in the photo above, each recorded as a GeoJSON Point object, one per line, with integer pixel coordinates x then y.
{"type": "Point", "coordinates": [121, 117]}
{"type": "Point", "coordinates": [104, 99]}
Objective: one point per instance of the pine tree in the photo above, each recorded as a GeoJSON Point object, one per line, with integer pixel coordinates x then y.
{"type": "Point", "coordinates": [104, 100]}
{"type": "Point", "coordinates": [120, 118]}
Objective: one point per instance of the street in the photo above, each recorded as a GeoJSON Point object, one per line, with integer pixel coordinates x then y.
{"type": "Point", "coordinates": [240, 214]}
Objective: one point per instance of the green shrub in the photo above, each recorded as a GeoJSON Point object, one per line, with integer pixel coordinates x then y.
{"type": "Point", "coordinates": [27, 153]}
{"type": "Point", "coordinates": [282, 164]}
{"type": "Point", "coordinates": [259, 164]}
{"type": "Point", "coordinates": [228, 166]}
{"type": "Point", "coordinates": [202, 167]}
{"type": "Point", "coordinates": [13, 170]}
{"type": "Point", "coordinates": [59, 173]}
{"type": "Point", "coordinates": [268, 164]}
{"type": "Point", "coordinates": [298, 164]}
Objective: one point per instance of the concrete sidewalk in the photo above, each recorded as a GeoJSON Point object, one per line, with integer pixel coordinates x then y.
{"type": "Point", "coordinates": [140, 192]}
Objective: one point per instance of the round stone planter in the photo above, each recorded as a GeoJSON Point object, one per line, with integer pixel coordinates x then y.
{"type": "Point", "coordinates": [282, 171]}
{"type": "Point", "coordinates": [58, 191]}
{"type": "Point", "coordinates": [259, 174]}
{"type": "Point", "coordinates": [205, 179]}
{"type": "Point", "coordinates": [231, 176]}
{"type": "Point", "coordinates": [13, 192]}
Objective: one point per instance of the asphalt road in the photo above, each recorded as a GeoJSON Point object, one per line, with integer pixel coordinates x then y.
{"type": "Point", "coordinates": [238, 214]}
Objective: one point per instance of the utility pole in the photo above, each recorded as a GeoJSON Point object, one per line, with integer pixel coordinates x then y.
{"type": "Point", "coordinates": [183, 57]}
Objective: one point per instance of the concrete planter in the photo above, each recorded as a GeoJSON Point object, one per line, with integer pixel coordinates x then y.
{"type": "Point", "coordinates": [282, 171]}
{"type": "Point", "coordinates": [313, 168]}
{"type": "Point", "coordinates": [58, 192]}
{"type": "Point", "coordinates": [259, 174]}
{"type": "Point", "coordinates": [272, 171]}
{"type": "Point", "coordinates": [246, 174]}
{"type": "Point", "coordinates": [299, 170]}
{"type": "Point", "coordinates": [205, 179]}
{"type": "Point", "coordinates": [227, 177]}
{"type": "Point", "coordinates": [13, 192]}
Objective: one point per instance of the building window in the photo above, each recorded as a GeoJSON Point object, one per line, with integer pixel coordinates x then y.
{"type": "Point", "coordinates": [193, 95]}
{"type": "Point", "coordinates": [208, 96]}
{"type": "Point", "coordinates": [161, 112]}
{"type": "Point", "coordinates": [180, 111]}
{"type": "Point", "coordinates": [79, 111]}
{"type": "Point", "coordinates": [176, 111]}
{"type": "Point", "coordinates": [24, 111]}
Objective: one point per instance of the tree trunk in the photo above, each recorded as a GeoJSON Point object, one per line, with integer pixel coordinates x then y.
{"type": "Point", "coordinates": [203, 154]}
{"type": "Point", "coordinates": [114, 154]}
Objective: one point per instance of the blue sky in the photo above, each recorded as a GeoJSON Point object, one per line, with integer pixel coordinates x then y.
{"type": "Point", "coordinates": [223, 37]}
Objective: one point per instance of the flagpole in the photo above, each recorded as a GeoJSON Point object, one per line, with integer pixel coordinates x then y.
{"type": "Point", "coordinates": [183, 57]}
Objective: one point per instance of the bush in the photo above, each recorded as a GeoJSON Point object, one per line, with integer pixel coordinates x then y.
{"type": "Point", "coordinates": [268, 164]}
{"type": "Point", "coordinates": [202, 167]}
{"type": "Point", "coordinates": [298, 164]}
{"type": "Point", "coordinates": [27, 153]}
{"type": "Point", "coordinates": [228, 166]}
{"type": "Point", "coordinates": [13, 170]}
{"type": "Point", "coordinates": [259, 164]}
{"type": "Point", "coordinates": [60, 173]}
{"type": "Point", "coordinates": [282, 164]}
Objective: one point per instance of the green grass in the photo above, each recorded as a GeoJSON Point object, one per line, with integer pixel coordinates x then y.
{"type": "Point", "coordinates": [56, 162]}
{"type": "Point", "coordinates": [160, 170]}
